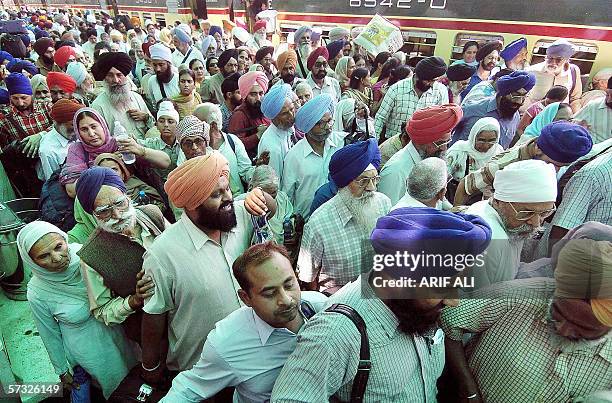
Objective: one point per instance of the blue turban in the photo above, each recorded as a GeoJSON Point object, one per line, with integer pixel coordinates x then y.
{"type": "Point", "coordinates": [274, 100]}
{"type": "Point", "coordinates": [25, 38]}
{"type": "Point", "coordinates": [425, 230]}
{"type": "Point", "coordinates": [17, 83]}
{"type": "Point", "coordinates": [513, 49]}
{"type": "Point", "coordinates": [215, 29]}
{"type": "Point", "coordinates": [4, 55]}
{"type": "Point", "coordinates": [206, 42]}
{"type": "Point", "coordinates": [40, 33]}
{"type": "Point", "coordinates": [181, 35]}
{"type": "Point", "coordinates": [350, 161]}
{"type": "Point", "coordinates": [312, 111]}
{"type": "Point", "coordinates": [335, 47]}
{"type": "Point", "coordinates": [515, 81]}
{"type": "Point", "coordinates": [89, 184]}
{"type": "Point", "coordinates": [4, 97]}
{"type": "Point", "coordinates": [18, 65]}
{"type": "Point", "coordinates": [564, 142]}
{"type": "Point", "coordinates": [300, 32]}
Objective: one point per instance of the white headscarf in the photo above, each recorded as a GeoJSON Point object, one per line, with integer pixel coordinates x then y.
{"type": "Point", "coordinates": [459, 152]}
{"type": "Point", "coordinates": [67, 283]}
{"type": "Point", "coordinates": [344, 113]}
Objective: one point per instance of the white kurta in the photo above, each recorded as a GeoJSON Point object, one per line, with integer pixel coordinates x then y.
{"type": "Point", "coordinates": [277, 142]}
{"type": "Point", "coordinates": [171, 88]}
{"type": "Point", "coordinates": [179, 59]}
{"type": "Point", "coordinates": [111, 114]}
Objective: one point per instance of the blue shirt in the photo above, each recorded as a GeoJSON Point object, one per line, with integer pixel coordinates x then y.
{"type": "Point", "coordinates": [475, 79]}
{"type": "Point", "coordinates": [242, 351]}
{"type": "Point", "coordinates": [486, 107]}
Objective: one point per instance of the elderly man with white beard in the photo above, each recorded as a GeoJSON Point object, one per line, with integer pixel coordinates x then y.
{"type": "Point", "coordinates": [102, 194]}
{"type": "Point", "coordinates": [118, 103]}
{"type": "Point", "coordinates": [525, 194]}
{"type": "Point", "coordinates": [303, 47]}
{"type": "Point", "coordinates": [335, 242]}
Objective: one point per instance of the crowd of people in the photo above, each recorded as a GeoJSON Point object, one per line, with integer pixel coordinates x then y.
{"type": "Point", "coordinates": [212, 205]}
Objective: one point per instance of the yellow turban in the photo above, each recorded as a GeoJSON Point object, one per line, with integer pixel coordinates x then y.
{"type": "Point", "coordinates": [190, 184]}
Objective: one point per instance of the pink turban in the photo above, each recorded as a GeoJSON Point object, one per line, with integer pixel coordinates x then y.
{"type": "Point", "coordinates": [192, 182]}
{"type": "Point", "coordinates": [248, 80]}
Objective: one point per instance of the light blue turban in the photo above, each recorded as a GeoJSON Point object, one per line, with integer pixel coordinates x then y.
{"type": "Point", "coordinates": [300, 32]}
{"type": "Point", "coordinates": [312, 111]}
{"type": "Point", "coordinates": [274, 100]}
{"type": "Point", "coordinates": [181, 35]}
{"type": "Point", "coordinates": [206, 42]}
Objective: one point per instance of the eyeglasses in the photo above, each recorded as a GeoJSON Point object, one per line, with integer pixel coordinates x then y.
{"type": "Point", "coordinates": [104, 212]}
{"type": "Point", "coordinates": [557, 60]}
{"type": "Point", "coordinates": [231, 65]}
{"type": "Point", "coordinates": [440, 144]}
{"type": "Point", "coordinates": [486, 141]}
{"type": "Point", "coordinates": [526, 215]}
{"type": "Point", "coordinates": [320, 65]}
{"type": "Point", "coordinates": [324, 123]}
{"type": "Point", "coordinates": [364, 182]}
{"type": "Point", "coordinates": [188, 143]}
{"type": "Point", "coordinates": [517, 98]}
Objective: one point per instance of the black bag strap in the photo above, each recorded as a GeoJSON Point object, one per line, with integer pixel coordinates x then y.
{"type": "Point", "coordinates": [300, 63]}
{"type": "Point", "coordinates": [363, 369]}
{"type": "Point", "coordinates": [230, 140]}
{"type": "Point", "coordinates": [161, 88]}
{"type": "Point", "coordinates": [187, 55]}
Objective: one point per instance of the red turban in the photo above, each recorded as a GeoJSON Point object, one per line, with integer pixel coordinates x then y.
{"type": "Point", "coordinates": [248, 80]}
{"type": "Point", "coordinates": [62, 80]}
{"type": "Point", "coordinates": [192, 182]}
{"type": "Point", "coordinates": [63, 110]}
{"type": "Point", "coordinates": [259, 25]}
{"type": "Point", "coordinates": [63, 54]}
{"type": "Point", "coordinates": [286, 57]}
{"type": "Point", "coordinates": [433, 123]}
{"type": "Point", "coordinates": [145, 48]}
{"type": "Point", "coordinates": [320, 51]}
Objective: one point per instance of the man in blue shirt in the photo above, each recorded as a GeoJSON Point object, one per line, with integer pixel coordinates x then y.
{"type": "Point", "coordinates": [249, 347]}
{"type": "Point", "coordinates": [504, 106]}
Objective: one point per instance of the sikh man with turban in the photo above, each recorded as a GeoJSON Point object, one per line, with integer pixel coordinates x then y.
{"type": "Point", "coordinates": [303, 48]}
{"type": "Point", "coordinates": [550, 338]}
{"type": "Point", "coordinates": [525, 194]}
{"type": "Point", "coordinates": [318, 78]}
{"type": "Point", "coordinates": [458, 76]}
{"type": "Point", "coordinates": [429, 131]}
{"type": "Point", "coordinates": [504, 106]}
{"type": "Point", "coordinates": [117, 102]}
{"type": "Point", "coordinates": [210, 90]}
{"type": "Point", "coordinates": [191, 262]}
{"type": "Point", "coordinates": [45, 48]}
{"type": "Point", "coordinates": [247, 121]}
{"type": "Point", "coordinates": [54, 144]}
{"type": "Point", "coordinates": [331, 252]}
{"type": "Point", "coordinates": [61, 85]}
{"type": "Point", "coordinates": [185, 51]}
{"type": "Point", "coordinates": [101, 193]}
{"type": "Point", "coordinates": [25, 121]}
{"type": "Point", "coordinates": [487, 57]}
{"type": "Point", "coordinates": [286, 64]}
{"type": "Point", "coordinates": [560, 144]}
{"type": "Point", "coordinates": [406, 344]}
{"type": "Point", "coordinates": [276, 140]}
{"type": "Point", "coordinates": [306, 165]}
{"type": "Point", "coordinates": [165, 84]}
{"type": "Point", "coordinates": [406, 96]}
{"type": "Point", "coordinates": [514, 55]}
{"type": "Point", "coordinates": [557, 69]}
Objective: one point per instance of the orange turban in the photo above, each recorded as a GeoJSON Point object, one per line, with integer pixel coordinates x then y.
{"type": "Point", "coordinates": [63, 54]}
{"type": "Point", "coordinates": [431, 124]}
{"type": "Point", "coordinates": [191, 183]}
{"type": "Point", "coordinates": [64, 109]}
{"type": "Point", "coordinates": [288, 56]}
{"type": "Point", "coordinates": [62, 80]}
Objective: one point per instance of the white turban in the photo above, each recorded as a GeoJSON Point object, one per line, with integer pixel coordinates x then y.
{"type": "Point", "coordinates": [241, 34]}
{"type": "Point", "coordinates": [159, 51]}
{"type": "Point", "coordinates": [530, 181]}
{"type": "Point", "coordinates": [167, 109]}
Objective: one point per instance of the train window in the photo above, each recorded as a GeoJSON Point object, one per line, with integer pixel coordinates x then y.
{"type": "Point", "coordinates": [160, 19]}
{"type": "Point", "coordinates": [419, 43]}
{"type": "Point", "coordinates": [584, 57]}
{"type": "Point", "coordinates": [464, 37]}
{"type": "Point", "coordinates": [146, 16]}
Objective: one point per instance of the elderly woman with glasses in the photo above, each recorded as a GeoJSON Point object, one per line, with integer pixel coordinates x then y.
{"type": "Point", "coordinates": [60, 306]}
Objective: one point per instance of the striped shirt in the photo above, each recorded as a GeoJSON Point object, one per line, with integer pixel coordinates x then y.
{"type": "Point", "coordinates": [324, 363]}
{"type": "Point", "coordinates": [481, 180]}
{"type": "Point", "coordinates": [334, 247]}
{"type": "Point", "coordinates": [401, 101]}
{"type": "Point", "coordinates": [515, 355]}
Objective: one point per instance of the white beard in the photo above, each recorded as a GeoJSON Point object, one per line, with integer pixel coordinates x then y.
{"type": "Point", "coordinates": [119, 96]}
{"type": "Point", "coordinates": [127, 221]}
{"type": "Point", "coordinates": [305, 50]}
{"type": "Point", "coordinates": [365, 210]}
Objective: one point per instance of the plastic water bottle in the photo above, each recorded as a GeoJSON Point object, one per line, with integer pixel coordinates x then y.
{"type": "Point", "coordinates": [83, 393]}
{"type": "Point", "coordinates": [142, 199]}
{"type": "Point", "coordinates": [121, 134]}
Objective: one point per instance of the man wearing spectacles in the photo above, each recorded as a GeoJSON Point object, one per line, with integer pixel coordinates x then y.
{"type": "Point", "coordinates": [332, 252]}
{"type": "Point", "coordinates": [504, 106]}
{"type": "Point", "coordinates": [318, 79]}
{"type": "Point", "coordinates": [525, 194]}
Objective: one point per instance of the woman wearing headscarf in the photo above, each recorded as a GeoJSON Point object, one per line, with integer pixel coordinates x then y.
{"type": "Point", "coordinates": [60, 307]}
{"type": "Point", "coordinates": [344, 69]}
{"type": "Point", "coordinates": [199, 71]}
{"type": "Point", "coordinates": [380, 88]}
{"type": "Point", "coordinates": [469, 155]}
{"type": "Point", "coordinates": [552, 113]}
{"type": "Point", "coordinates": [360, 87]}
{"type": "Point", "coordinates": [188, 98]}
{"type": "Point", "coordinates": [93, 139]}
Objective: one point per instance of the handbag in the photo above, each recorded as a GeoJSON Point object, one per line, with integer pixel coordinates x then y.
{"type": "Point", "coordinates": [134, 389]}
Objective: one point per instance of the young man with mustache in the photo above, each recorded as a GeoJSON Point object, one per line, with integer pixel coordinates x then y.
{"type": "Point", "coordinates": [248, 348]}
{"type": "Point", "coordinates": [487, 58]}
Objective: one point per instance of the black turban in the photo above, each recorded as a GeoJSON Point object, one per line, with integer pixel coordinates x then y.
{"type": "Point", "coordinates": [230, 84]}
{"type": "Point", "coordinates": [225, 56]}
{"type": "Point", "coordinates": [430, 68]}
{"type": "Point", "coordinates": [119, 60]}
{"type": "Point", "coordinates": [261, 53]}
{"type": "Point", "coordinates": [488, 48]}
{"type": "Point", "coordinates": [460, 72]}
